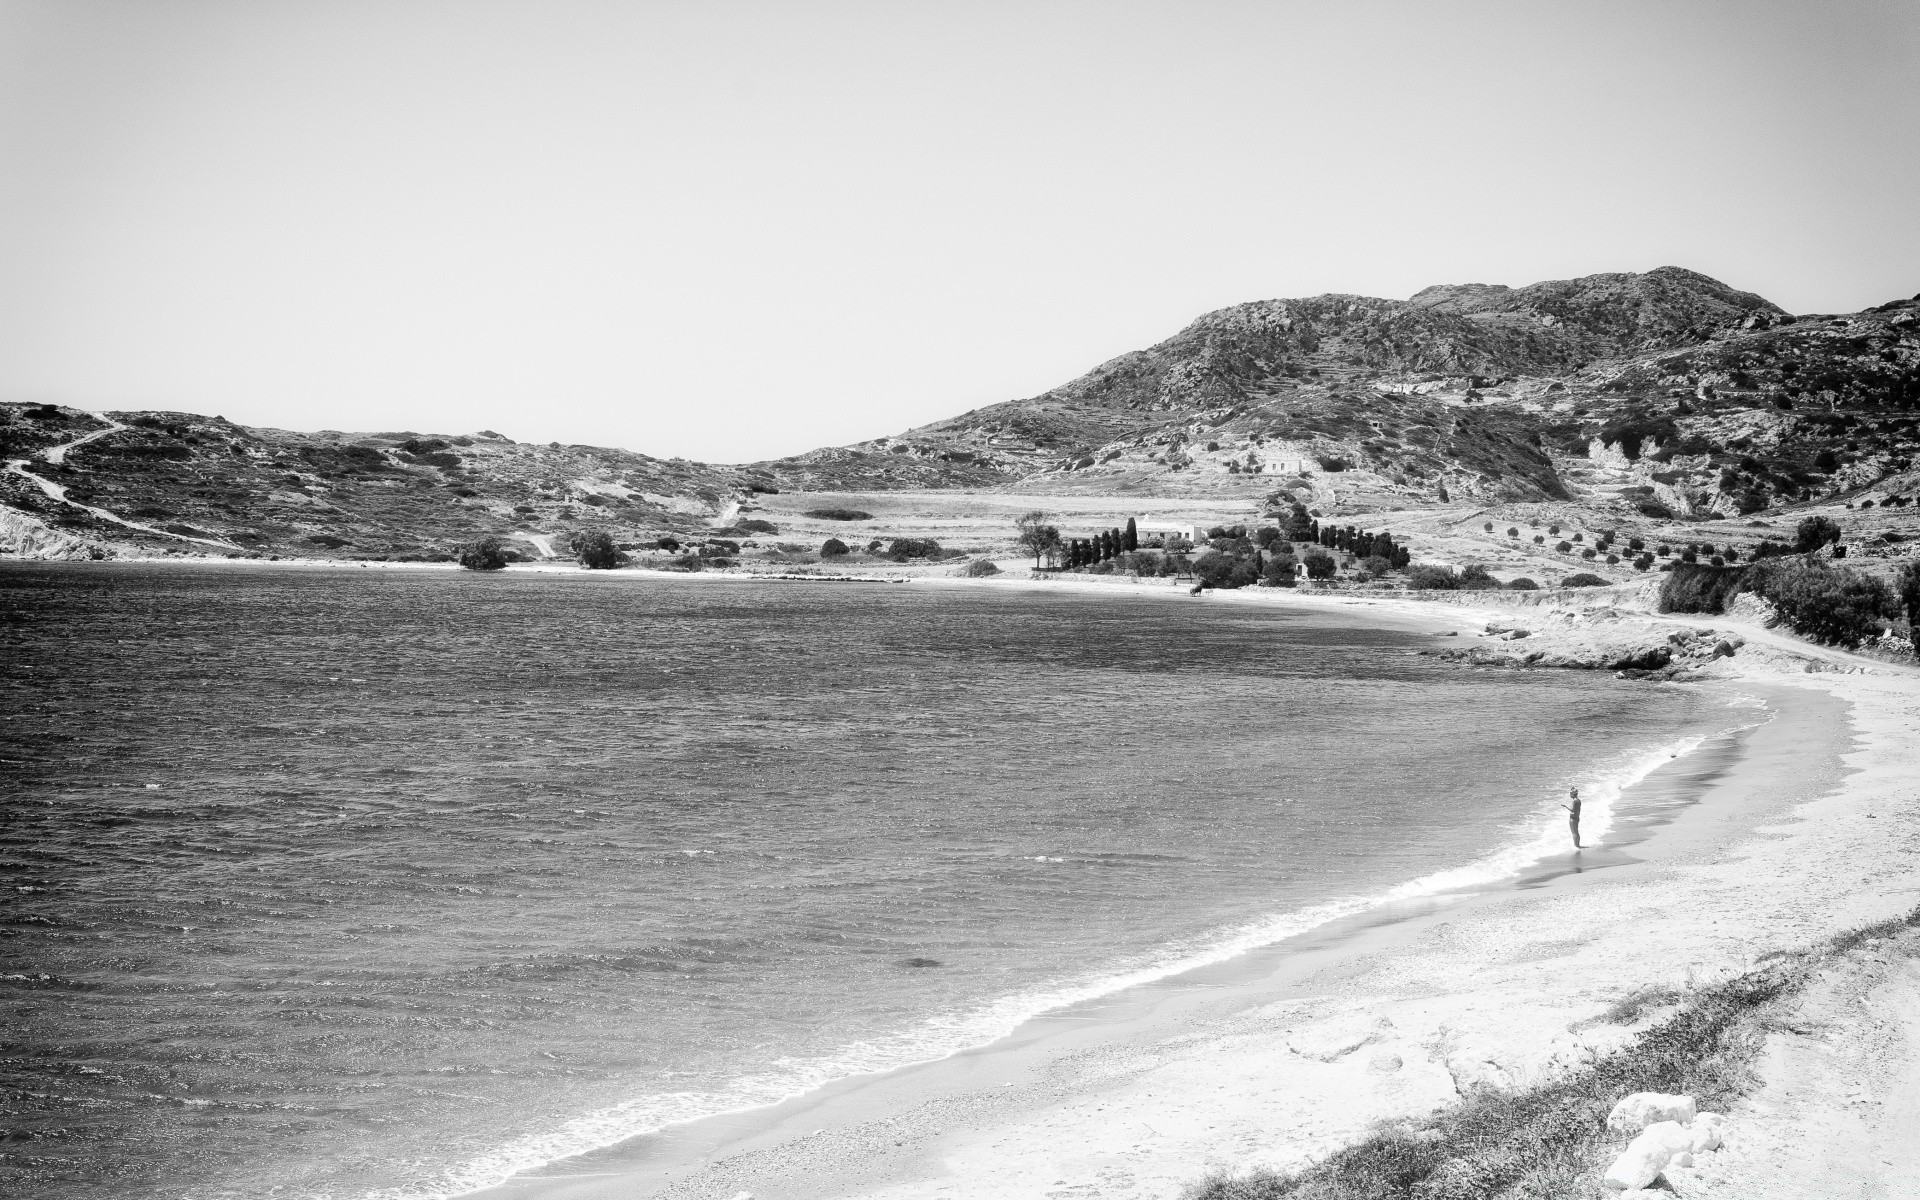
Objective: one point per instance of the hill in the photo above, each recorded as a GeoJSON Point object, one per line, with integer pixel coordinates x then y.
{"type": "Point", "coordinates": [1658, 398]}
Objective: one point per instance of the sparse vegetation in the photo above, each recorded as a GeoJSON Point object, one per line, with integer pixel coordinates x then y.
{"type": "Point", "coordinates": [1551, 1140]}
{"type": "Point", "coordinates": [838, 514]}
{"type": "Point", "coordinates": [1583, 579]}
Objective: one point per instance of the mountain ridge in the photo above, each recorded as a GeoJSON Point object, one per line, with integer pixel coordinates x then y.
{"type": "Point", "coordinates": [1658, 392]}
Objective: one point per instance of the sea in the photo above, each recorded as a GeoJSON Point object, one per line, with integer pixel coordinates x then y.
{"type": "Point", "coordinates": [376, 884]}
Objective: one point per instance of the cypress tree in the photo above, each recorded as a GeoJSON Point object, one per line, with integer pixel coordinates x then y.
{"type": "Point", "coordinates": [1132, 539]}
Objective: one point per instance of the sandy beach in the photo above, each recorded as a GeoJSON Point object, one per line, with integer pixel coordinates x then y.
{"type": "Point", "coordinates": [1804, 825]}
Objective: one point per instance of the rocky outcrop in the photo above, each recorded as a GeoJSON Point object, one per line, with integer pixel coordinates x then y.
{"type": "Point", "coordinates": [1667, 1132]}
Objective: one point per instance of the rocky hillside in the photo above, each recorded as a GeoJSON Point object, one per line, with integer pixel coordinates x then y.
{"type": "Point", "coordinates": [1661, 392]}
{"type": "Point", "coordinates": [79, 485]}
{"type": "Point", "coordinates": [1651, 399]}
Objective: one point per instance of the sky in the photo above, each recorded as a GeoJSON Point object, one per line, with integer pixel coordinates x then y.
{"type": "Point", "coordinates": [731, 231]}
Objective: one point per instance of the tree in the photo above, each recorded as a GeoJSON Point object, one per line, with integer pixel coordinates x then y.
{"type": "Point", "coordinates": [833, 548]}
{"type": "Point", "coordinates": [1131, 539]}
{"type": "Point", "coordinates": [1037, 536]}
{"type": "Point", "coordinates": [1813, 533]}
{"type": "Point", "coordinates": [1908, 582]}
{"type": "Point", "coordinates": [596, 550]}
{"type": "Point", "coordinates": [484, 553]}
{"type": "Point", "coordinates": [1319, 565]}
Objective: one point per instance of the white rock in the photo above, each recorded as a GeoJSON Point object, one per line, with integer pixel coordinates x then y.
{"type": "Point", "coordinates": [1682, 1159]}
{"type": "Point", "coordinates": [1708, 1132]}
{"type": "Point", "coordinates": [1384, 1062]}
{"type": "Point", "coordinates": [1642, 1109]}
{"type": "Point", "coordinates": [1647, 1156]}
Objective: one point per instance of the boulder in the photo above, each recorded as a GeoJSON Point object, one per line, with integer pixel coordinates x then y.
{"type": "Point", "coordinates": [1647, 1155]}
{"type": "Point", "coordinates": [1641, 1109]}
{"type": "Point", "coordinates": [1707, 1132]}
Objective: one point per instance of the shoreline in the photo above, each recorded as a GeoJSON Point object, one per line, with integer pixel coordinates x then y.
{"type": "Point", "coordinates": [1282, 1053]}
{"type": "Point", "coordinates": [1375, 1016]}
{"type": "Point", "coordinates": [781, 1147]}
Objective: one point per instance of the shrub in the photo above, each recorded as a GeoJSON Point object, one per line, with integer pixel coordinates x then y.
{"type": "Point", "coordinates": [1217, 570]}
{"type": "Point", "coordinates": [1523, 584]}
{"type": "Point", "coordinates": [1376, 565]}
{"type": "Point", "coordinates": [1636, 544]}
{"type": "Point", "coordinates": [485, 553]}
{"type": "Point", "coordinates": [1564, 546]}
{"type": "Point", "coordinates": [1281, 571]}
{"type": "Point", "coordinates": [1908, 582]}
{"type": "Point", "coordinates": [1319, 564]}
{"type": "Point", "coordinates": [838, 514]}
{"type": "Point", "coordinates": [1691, 588]}
{"type": "Point", "coordinates": [902, 549]}
{"type": "Point", "coordinates": [596, 550]}
{"type": "Point", "coordinates": [1488, 527]}
{"type": "Point", "coordinates": [1813, 533]}
{"type": "Point", "coordinates": [981, 567]}
{"type": "Point", "coordinates": [1512, 531]}
{"type": "Point", "coordinates": [758, 527]}
{"type": "Point", "coordinates": [1554, 530]}
{"type": "Point", "coordinates": [1588, 553]}
{"type": "Point", "coordinates": [1643, 562]}
{"type": "Point", "coordinates": [1583, 579]}
{"type": "Point", "coordinates": [1829, 604]}
{"type": "Point", "coordinates": [1613, 560]}
{"type": "Point", "coordinates": [668, 543]}
{"type": "Point", "coordinates": [1331, 463]}
{"type": "Point", "coordinates": [1425, 577]}
{"type": "Point", "coordinates": [1539, 539]}
{"type": "Point", "coordinates": [833, 548]}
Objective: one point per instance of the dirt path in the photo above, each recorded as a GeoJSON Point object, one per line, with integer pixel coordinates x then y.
{"type": "Point", "coordinates": [1839, 1107]}
{"type": "Point", "coordinates": [57, 455]}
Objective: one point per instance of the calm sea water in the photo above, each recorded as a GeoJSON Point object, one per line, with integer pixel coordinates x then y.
{"type": "Point", "coordinates": [354, 883]}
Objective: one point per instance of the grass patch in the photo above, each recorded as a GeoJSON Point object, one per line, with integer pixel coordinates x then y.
{"type": "Point", "coordinates": [1551, 1141]}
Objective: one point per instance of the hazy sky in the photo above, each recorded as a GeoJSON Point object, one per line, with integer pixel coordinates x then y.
{"type": "Point", "coordinates": [739, 230]}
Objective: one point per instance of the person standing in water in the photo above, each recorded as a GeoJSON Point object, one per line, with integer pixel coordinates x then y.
{"type": "Point", "coordinates": [1573, 815]}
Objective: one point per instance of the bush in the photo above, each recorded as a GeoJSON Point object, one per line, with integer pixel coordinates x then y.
{"type": "Point", "coordinates": [838, 514]}
{"type": "Point", "coordinates": [1281, 571]}
{"type": "Point", "coordinates": [1831, 604]}
{"type": "Point", "coordinates": [1813, 533]}
{"type": "Point", "coordinates": [1217, 570]}
{"type": "Point", "coordinates": [1425, 577]}
{"type": "Point", "coordinates": [1691, 588]}
{"type": "Point", "coordinates": [758, 527]}
{"type": "Point", "coordinates": [1523, 584]}
{"type": "Point", "coordinates": [833, 548]}
{"type": "Point", "coordinates": [487, 553]}
{"type": "Point", "coordinates": [981, 567]}
{"type": "Point", "coordinates": [1564, 546]}
{"type": "Point", "coordinates": [1377, 565]}
{"type": "Point", "coordinates": [1319, 564]}
{"type": "Point", "coordinates": [1583, 579]}
{"type": "Point", "coordinates": [668, 543]}
{"type": "Point", "coordinates": [596, 550]}
{"type": "Point", "coordinates": [902, 549]}
{"type": "Point", "coordinates": [1539, 539]}
{"type": "Point", "coordinates": [1476, 577]}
